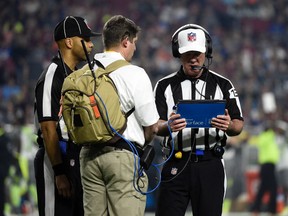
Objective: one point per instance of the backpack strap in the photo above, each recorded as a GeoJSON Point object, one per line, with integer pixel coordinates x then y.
{"type": "Point", "coordinates": [98, 63]}
{"type": "Point", "coordinates": [129, 112]}
{"type": "Point", "coordinates": [110, 68]}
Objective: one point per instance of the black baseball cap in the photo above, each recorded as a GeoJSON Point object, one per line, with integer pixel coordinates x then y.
{"type": "Point", "coordinates": [73, 26]}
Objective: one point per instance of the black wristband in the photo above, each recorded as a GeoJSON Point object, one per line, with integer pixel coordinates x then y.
{"type": "Point", "coordinates": [59, 169]}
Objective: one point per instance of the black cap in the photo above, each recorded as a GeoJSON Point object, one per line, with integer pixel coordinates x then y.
{"type": "Point", "coordinates": [73, 26]}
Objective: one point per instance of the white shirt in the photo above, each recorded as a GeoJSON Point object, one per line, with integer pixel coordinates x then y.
{"type": "Point", "coordinates": [135, 90]}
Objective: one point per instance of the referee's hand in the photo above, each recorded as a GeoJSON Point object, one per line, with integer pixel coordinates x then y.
{"type": "Point", "coordinates": [64, 186]}
{"type": "Point", "coordinates": [176, 123]}
{"type": "Point", "coordinates": [222, 122]}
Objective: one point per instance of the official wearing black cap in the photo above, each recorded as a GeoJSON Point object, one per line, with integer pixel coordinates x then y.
{"type": "Point", "coordinates": [57, 169]}
{"type": "Point", "coordinates": [73, 26]}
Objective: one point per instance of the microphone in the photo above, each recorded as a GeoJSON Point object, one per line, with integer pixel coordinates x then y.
{"type": "Point", "coordinates": [197, 67]}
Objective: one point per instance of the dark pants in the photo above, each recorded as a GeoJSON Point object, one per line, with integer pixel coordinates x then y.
{"type": "Point", "coordinates": [63, 206]}
{"type": "Point", "coordinates": [39, 176]}
{"type": "Point", "coordinates": [268, 184]}
{"type": "Point", "coordinates": [2, 194]}
{"type": "Point", "coordinates": [201, 182]}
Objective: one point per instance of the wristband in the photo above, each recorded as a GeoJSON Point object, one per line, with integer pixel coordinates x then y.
{"type": "Point", "coordinates": [59, 169]}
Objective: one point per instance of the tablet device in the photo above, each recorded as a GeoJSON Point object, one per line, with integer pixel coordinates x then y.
{"type": "Point", "coordinates": [198, 113]}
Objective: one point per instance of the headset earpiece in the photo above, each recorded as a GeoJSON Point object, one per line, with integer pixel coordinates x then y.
{"type": "Point", "coordinates": [175, 45]}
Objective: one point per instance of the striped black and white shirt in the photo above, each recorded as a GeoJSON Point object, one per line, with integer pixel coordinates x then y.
{"type": "Point", "coordinates": [210, 85]}
{"type": "Point", "coordinates": [48, 94]}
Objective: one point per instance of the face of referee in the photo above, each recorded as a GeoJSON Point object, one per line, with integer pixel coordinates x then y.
{"type": "Point", "coordinates": [72, 49]}
{"type": "Point", "coordinates": [78, 51]}
{"type": "Point", "coordinates": [190, 59]}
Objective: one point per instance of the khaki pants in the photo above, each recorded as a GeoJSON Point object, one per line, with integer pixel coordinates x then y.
{"type": "Point", "coordinates": [107, 178]}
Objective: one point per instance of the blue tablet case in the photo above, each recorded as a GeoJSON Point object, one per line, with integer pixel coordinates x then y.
{"type": "Point", "coordinates": [198, 113]}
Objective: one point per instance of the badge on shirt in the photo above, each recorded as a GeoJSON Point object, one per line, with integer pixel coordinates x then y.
{"type": "Point", "coordinates": [174, 171]}
{"type": "Point", "coordinates": [72, 162]}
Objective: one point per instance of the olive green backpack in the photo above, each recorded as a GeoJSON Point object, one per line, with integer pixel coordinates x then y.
{"type": "Point", "coordinates": [91, 106]}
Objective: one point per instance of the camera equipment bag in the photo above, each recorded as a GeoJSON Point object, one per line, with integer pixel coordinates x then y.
{"type": "Point", "coordinates": [91, 106]}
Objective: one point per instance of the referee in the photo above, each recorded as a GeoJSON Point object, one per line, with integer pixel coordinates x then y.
{"type": "Point", "coordinates": [57, 171]}
{"type": "Point", "coordinates": [195, 172]}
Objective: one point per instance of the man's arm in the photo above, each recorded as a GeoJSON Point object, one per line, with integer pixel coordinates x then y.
{"type": "Point", "coordinates": [51, 141]}
{"type": "Point", "coordinates": [175, 122]}
{"type": "Point", "coordinates": [52, 148]}
{"type": "Point", "coordinates": [150, 132]}
{"type": "Point", "coordinates": [232, 127]}
{"type": "Point", "coordinates": [162, 128]}
{"type": "Point", "coordinates": [235, 127]}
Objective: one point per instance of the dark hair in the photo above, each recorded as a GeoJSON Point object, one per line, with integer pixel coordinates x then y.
{"type": "Point", "coordinates": [116, 29]}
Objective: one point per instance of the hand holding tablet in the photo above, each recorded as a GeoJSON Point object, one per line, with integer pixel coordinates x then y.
{"type": "Point", "coordinates": [198, 113]}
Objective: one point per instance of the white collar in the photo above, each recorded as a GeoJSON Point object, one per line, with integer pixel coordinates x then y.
{"type": "Point", "coordinates": [107, 58]}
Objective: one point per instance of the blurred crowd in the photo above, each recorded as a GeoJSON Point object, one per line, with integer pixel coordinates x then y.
{"type": "Point", "coordinates": [249, 44]}
{"type": "Point", "coordinates": [249, 47]}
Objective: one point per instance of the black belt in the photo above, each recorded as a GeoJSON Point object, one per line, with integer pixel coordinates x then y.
{"type": "Point", "coordinates": [206, 156]}
{"type": "Point", "coordinates": [120, 144]}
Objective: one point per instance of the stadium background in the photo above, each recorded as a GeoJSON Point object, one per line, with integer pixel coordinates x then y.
{"type": "Point", "coordinates": [249, 47]}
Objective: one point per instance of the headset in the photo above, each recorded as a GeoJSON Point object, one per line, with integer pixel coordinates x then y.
{"type": "Point", "coordinates": [175, 45]}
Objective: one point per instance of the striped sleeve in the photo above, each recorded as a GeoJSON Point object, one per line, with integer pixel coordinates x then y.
{"type": "Point", "coordinates": [48, 93]}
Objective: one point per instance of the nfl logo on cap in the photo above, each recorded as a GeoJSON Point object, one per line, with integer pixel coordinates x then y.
{"type": "Point", "coordinates": [174, 171]}
{"type": "Point", "coordinates": [192, 40]}
{"type": "Point", "coordinates": [191, 36]}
